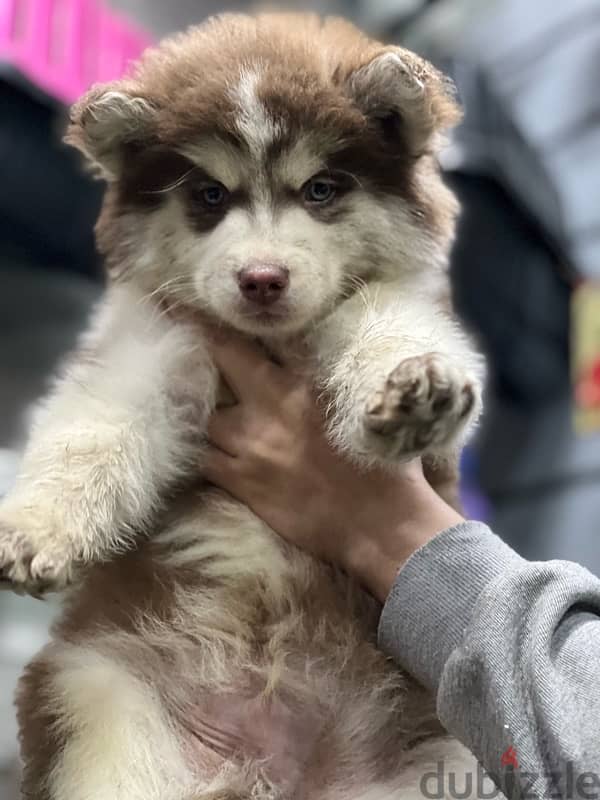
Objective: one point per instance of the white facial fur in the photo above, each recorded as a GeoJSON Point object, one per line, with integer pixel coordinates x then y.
{"type": "Point", "coordinates": [374, 237]}
{"type": "Point", "coordinates": [327, 258]}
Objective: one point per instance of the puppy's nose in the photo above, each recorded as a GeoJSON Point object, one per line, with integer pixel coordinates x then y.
{"type": "Point", "coordinates": [264, 284]}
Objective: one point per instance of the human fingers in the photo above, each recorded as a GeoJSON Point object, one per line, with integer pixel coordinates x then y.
{"type": "Point", "coordinates": [228, 429]}
{"type": "Point", "coordinates": [222, 470]}
{"type": "Point", "coordinates": [243, 364]}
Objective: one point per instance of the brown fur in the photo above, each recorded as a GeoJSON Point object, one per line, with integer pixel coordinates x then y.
{"type": "Point", "coordinates": [189, 99]}
{"type": "Point", "coordinates": [40, 739]}
{"type": "Point", "coordinates": [135, 595]}
{"type": "Point", "coordinates": [187, 94]}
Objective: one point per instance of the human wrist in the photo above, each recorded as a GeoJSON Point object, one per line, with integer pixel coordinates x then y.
{"type": "Point", "coordinates": [377, 552]}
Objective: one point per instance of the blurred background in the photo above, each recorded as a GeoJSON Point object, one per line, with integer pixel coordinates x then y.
{"type": "Point", "coordinates": [525, 163]}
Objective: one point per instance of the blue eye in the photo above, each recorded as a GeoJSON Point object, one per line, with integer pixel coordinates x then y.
{"type": "Point", "coordinates": [319, 191]}
{"type": "Point", "coordinates": [214, 195]}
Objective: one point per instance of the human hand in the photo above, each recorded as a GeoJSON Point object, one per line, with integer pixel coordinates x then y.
{"type": "Point", "coordinates": [270, 452]}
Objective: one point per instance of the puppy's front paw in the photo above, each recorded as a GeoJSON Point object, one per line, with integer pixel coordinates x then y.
{"type": "Point", "coordinates": [424, 405]}
{"type": "Point", "coordinates": [33, 563]}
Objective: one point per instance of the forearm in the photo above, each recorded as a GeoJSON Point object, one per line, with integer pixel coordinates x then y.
{"type": "Point", "coordinates": [504, 644]}
{"type": "Point", "coordinates": [403, 522]}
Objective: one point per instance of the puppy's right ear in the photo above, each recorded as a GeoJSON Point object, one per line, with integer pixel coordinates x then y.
{"type": "Point", "coordinates": [105, 122]}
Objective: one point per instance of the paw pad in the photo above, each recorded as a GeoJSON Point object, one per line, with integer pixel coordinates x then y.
{"type": "Point", "coordinates": [425, 403]}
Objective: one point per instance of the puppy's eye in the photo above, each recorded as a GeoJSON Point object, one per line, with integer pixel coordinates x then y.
{"type": "Point", "coordinates": [210, 195]}
{"type": "Point", "coordinates": [319, 191]}
{"type": "Point", "coordinates": [214, 195]}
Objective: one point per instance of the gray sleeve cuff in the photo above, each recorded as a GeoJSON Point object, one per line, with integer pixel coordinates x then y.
{"type": "Point", "coordinates": [435, 594]}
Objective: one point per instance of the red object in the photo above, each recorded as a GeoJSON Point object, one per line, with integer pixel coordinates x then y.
{"type": "Point", "coordinates": [509, 758]}
{"type": "Point", "coordinates": [588, 387]}
{"type": "Point", "coordinates": [588, 395]}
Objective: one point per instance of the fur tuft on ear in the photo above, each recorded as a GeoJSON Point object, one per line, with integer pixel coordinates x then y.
{"type": "Point", "coordinates": [399, 84]}
{"type": "Point", "coordinates": [104, 121]}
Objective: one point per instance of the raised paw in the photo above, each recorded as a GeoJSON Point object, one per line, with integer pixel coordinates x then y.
{"type": "Point", "coordinates": [424, 406]}
{"type": "Point", "coordinates": [29, 565]}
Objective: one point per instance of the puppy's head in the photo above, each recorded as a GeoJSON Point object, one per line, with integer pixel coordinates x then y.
{"type": "Point", "coordinates": [261, 168]}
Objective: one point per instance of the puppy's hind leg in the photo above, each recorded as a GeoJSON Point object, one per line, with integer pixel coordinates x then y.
{"type": "Point", "coordinates": [91, 731]}
{"type": "Point", "coordinates": [38, 722]}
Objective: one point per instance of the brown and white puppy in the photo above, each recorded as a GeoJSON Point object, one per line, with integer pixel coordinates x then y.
{"type": "Point", "coordinates": [277, 174]}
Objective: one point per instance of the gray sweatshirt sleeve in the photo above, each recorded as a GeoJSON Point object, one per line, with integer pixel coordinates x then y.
{"type": "Point", "coordinates": [512, 650]}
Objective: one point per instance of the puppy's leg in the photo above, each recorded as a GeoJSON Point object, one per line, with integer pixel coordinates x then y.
{"type": "Point", "coordinates": [89, 729]}
{"type": "Point", "coordinates": [115, 432]}
{"type": "Point", "coordinates": [38, 723]}
{"type": "Point", "coordinates": [403, 378]}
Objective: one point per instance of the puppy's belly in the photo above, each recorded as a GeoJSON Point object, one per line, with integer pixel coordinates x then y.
{"type": "Point", "coordinates": [282, 738]}
{"type": "Point", "coordinates": [272, 679]}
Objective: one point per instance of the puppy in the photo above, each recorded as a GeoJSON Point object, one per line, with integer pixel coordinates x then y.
{"type": "Point", "coordinates": [278, 175]}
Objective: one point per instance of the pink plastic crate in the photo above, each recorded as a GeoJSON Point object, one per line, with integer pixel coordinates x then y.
{"type": "Point", "coordinates": [64, 46]}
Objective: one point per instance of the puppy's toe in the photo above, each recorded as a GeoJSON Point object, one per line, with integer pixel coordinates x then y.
{"type": "Point", "coordinates": [424, 404]}
{"type": "Point", "coordinates": [51, 570]}
{"type": "Point", "coordinates": [32, 566]}
{"type": "Point", "coordinates": [15, 555]}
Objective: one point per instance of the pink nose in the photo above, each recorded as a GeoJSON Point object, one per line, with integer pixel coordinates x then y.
{"type": "Point", "coordinates": [264, 284]}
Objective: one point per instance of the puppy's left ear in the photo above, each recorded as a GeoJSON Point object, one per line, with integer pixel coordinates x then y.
{"type": "Point", "coordinates": [410, 98]}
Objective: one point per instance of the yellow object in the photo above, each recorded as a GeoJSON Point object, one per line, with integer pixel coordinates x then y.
{"type": "Point", "coordinates": [585, 356]}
